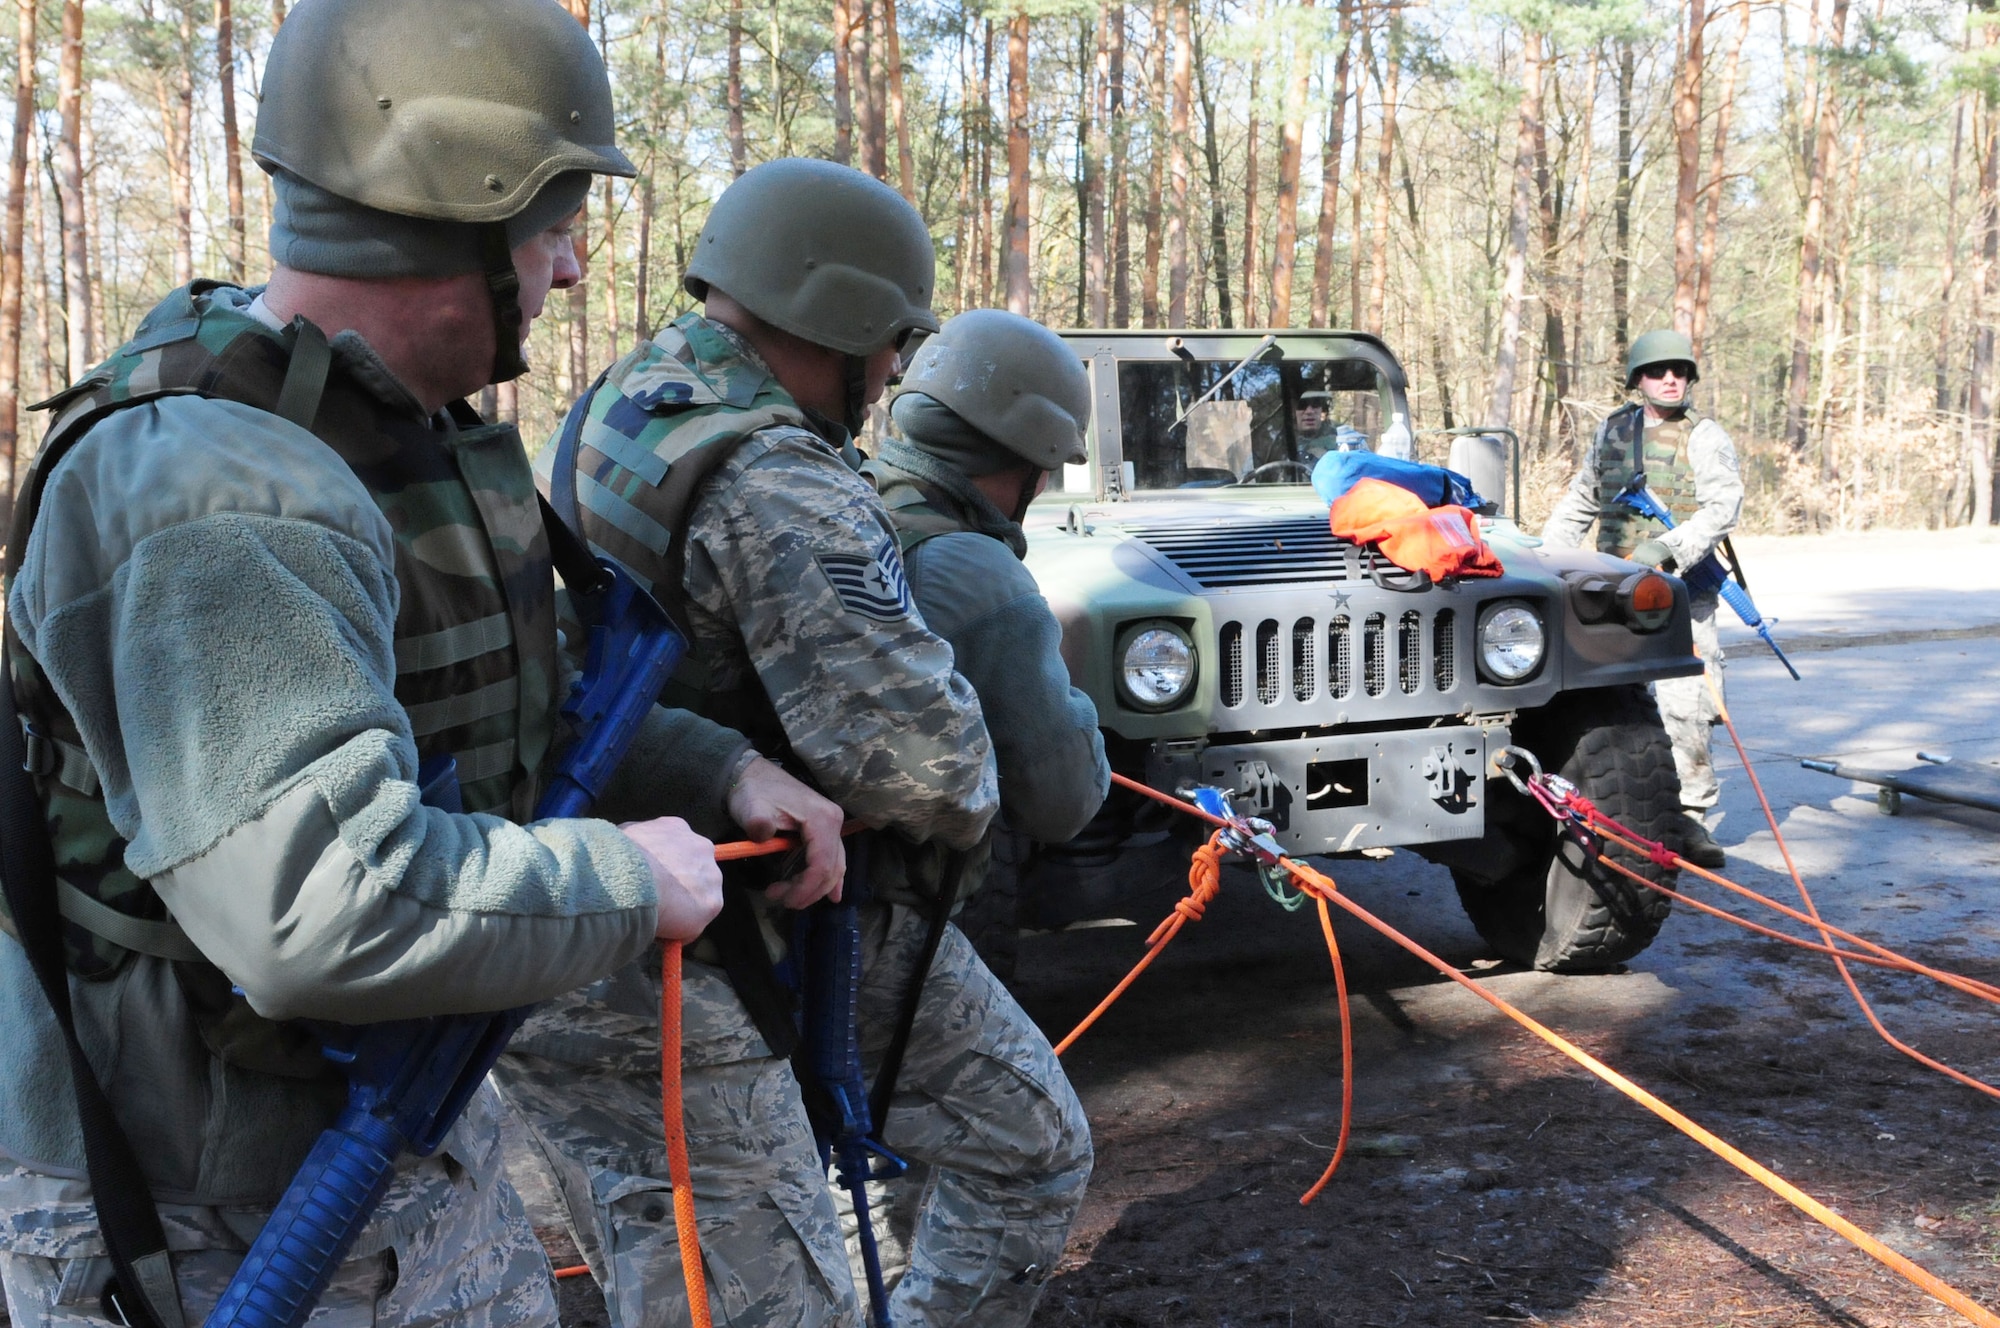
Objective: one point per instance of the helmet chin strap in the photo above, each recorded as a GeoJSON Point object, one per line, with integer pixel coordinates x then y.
{"type": "Point", "coordinates": [1670, 409]}
{"type": "Point", "coordinates": [1031, 478]}
{"type": "Point", "coordinates": [503, 284]}
{"type": "Point", "coordinates": [854, 392]}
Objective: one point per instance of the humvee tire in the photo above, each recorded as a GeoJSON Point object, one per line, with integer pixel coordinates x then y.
{"type": "Point", "coordinates": [1550, 906]}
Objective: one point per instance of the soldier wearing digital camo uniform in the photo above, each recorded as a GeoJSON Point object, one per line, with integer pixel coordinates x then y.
{"type": "Point", "coordinates": [268, 562]}
{"type": "Point", "coordinates": [714, 462]}
{"type": "Point", "coordinates": [1690, 466]}
{"type": "Point", "coordinates": [989, 406]}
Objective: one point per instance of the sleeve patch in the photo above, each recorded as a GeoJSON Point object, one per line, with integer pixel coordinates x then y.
{"type": "Point", "coordinates": [871, 587]}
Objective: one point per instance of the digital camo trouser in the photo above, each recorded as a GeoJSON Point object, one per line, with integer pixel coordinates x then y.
{"type": "Point", "coordinates": [982, 1104]}
{"type": "Point", "coordinates": [1689, 712]}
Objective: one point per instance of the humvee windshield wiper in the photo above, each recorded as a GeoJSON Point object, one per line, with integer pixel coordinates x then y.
{"type": "Point", "coordinates": [1270, 342]}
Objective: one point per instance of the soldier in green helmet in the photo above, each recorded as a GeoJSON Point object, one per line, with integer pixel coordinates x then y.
{"type": "Point", "coordinates": [990, 406]}
{"type": "Point", "coordinates": [268, 564]}
{"type": "Point", "coordinates": [1690, 465]}
{"type": "Point", "coordinates": [715, 462]}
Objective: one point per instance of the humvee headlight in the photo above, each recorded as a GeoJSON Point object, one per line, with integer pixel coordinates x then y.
{"type": "Point", "coordinates": [1511, 642]}
{"type": "Point", "coordinates": [1156, 667]}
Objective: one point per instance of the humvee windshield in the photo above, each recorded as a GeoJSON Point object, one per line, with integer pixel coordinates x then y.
{"type": "Point", "coordinates": [1266, 424]}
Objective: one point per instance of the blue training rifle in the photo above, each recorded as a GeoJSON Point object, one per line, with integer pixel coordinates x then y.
{"type": "Point", "coordinates": [409, 1079]}
{"type": "Point", "coordinates": [826, 957]}
{"type": "Point", "coordinates": [1706, 576]}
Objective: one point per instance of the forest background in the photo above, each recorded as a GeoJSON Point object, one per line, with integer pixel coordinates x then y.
{"type": "Point", "coordinates": [1506, 190]}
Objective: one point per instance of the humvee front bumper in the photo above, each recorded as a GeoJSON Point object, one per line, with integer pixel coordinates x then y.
{"type": "Point", "coordinates": [1348, 791]}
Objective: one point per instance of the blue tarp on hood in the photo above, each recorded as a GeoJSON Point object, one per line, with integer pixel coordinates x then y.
{"type": "Point", "coordinates": [1337, 472]}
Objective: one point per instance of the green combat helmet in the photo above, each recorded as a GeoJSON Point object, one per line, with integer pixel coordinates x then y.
{"type": "Point", "coordinates": [824, 252]}
{"type": "Point", "coordinates": [1662, 347]}
{"type": "Point", "coordinates": [447, 111]}
{"type": "Point", "coordinates": [1013, 380]}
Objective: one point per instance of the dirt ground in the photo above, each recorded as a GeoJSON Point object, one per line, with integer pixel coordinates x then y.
{"type": "Point", "coordinates": [1489, 1179]}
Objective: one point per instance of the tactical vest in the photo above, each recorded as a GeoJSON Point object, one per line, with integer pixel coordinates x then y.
{"type": "Point", "coordinates": [656, 422]}
{"type": "Point", "coordinates": [474, 636]}
{"type": "Point", "coordinates": [916, 512]}
{"type": "Point", "coordinates": [1662, 453]}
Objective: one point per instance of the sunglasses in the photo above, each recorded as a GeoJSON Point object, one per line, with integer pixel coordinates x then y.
{"type": "Point", "coordinates": [1684, 372]}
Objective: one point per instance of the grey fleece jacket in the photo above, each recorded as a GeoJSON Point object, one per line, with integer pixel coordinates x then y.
{"type": "Point", "coordinates": [973, 591]}
{"type": "Point", "coordinates": [211, 593]}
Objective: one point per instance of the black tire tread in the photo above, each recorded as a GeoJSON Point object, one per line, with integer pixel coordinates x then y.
{"type": "Point", "coordinates": [1563, 912]}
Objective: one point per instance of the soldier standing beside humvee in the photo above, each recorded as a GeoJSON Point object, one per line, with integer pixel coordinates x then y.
{"type": "Point", "coordinates": [1690, 465]}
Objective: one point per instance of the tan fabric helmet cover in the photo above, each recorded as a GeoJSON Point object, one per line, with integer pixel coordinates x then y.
{"type": "Point", "coordinates": [450, 110]}
{"type": "Point", "coordinates": [1010, 378]}
{"type": "Point", "coordinates": [821, 251]}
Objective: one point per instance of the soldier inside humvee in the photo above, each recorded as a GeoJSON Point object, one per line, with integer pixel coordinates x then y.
{"type": "Point", "coordinates": [1193, 423]}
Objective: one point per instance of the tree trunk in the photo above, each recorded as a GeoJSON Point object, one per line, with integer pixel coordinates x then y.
{"type": "Point", "coordinates": [1121, 249]}
{"type": "Point", "coordinates": [1385, 150]}
{"type": "Point", "coordinates": [1154, 213]}
{"type": "Point", "coordinates": [579, 294]}
{"type": "Point", "coordinates": [964, 231]}
{"type": "Point", "coordinates": [905, 168]}
{"type": "Point", "coordinates": [1427, 294]}
{"type": "Point", "coordinates": [1085, 180]}
{"type": "Point", "coordinates": [1285, 233]}
{"type": "Point", "coordinates": [1177, 164]}
{"type": "Point", "coordinates": [1568, 293]}
{"type": "Point", "coordinates": [232, 147]}
{"type": "Point", "coordinates": [1500, 404]}
{"type": "Point", "coordinates": [277, 14]}
{"type": "Point", "coordinates": [610, 253]}
{"type": "Point", "coordinates": [1986, 294]}
{"type": "Point", "coordinates": [181, 145]}
{"type": "Point", "coordinates": [1218, 215]}
{"type": "Point", "coordinates": [69, 184]}
{"type": "Point", "coordinates": [1357, 172]}
{"type": "Point", "coordinates": [1019, 289]}
{"type": "Point", "coordinates": [985, 213]}
{"type": "Point", "coordinates": [878, 89]}
{"type": "Point", "coordinates": [1687, 157]}
{"type": "Point", "coordinates": [1621, 213]}
{"type": "Point", "coordinates": [1096, 159]}
{"type": "Point", "coordinates": [1329, 176]}
{"type": "Point", "coordinates": [1798, 383]}
{"type": "Point", "coordinates": [1718, 154]}
{"type": "Point", "coordinates": [642, 285]}
{"type": "Point", "coordinates": [867, 105]}
{"type": "Point", "coordinates": [1548, 215]}
{"type": "Point", "coordinates": [12, 266]}
{"type": "Point", "coordinates": [739, 156]}
{"type": "Point", "coordinates": [843, 93]}
{"type": "Point", "coordinates": [1949, 276]}
{"type": "Point", "coordinates": [1253, 239]}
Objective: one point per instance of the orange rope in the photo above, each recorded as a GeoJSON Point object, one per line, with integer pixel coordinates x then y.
{"type": "Point", "coordinates": [1204, 880]}
{"type": "Point", "coordinates": [1323, 890]}
{"type": "Point", "coordinates": [1346, 1055]}
{"type": "Point", "coordinates": [674, 1121]}
{"type": "Point", "coordinates": [574, 1270]}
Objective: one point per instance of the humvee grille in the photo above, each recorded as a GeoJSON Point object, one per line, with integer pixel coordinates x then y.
{"type": "Point", "coordinates": [1444, 655]}
{"type": "Point", "coordinates": [1374, 655]}
{"type": "Point", "coordinates": [1269, 667]}
{"type": "Point", "coordinates": [1291, 551]}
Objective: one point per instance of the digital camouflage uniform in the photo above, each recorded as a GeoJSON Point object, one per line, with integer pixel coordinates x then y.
{"type": "Point", "coordinates": [253, 633]}
{"type": "Point", "coordinates": [1691, 467]}
{"type": "Point", "coordinates": [806, 640]}
{"type": "Point", "coordinates": [1007, 1155]}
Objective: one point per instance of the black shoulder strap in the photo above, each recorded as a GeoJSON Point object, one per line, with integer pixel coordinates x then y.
{"type": "Point", "coordinates": [906, 1019]}
{"type": "Point", "coordinates": [125, 1213]}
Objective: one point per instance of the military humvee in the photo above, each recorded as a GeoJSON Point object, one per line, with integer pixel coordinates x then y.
{"type": "Point", "coordinates": [1228, 638]}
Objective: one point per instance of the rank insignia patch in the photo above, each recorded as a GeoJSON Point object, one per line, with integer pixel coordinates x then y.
{"type": "Point", "coordinates": [874, 588]}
